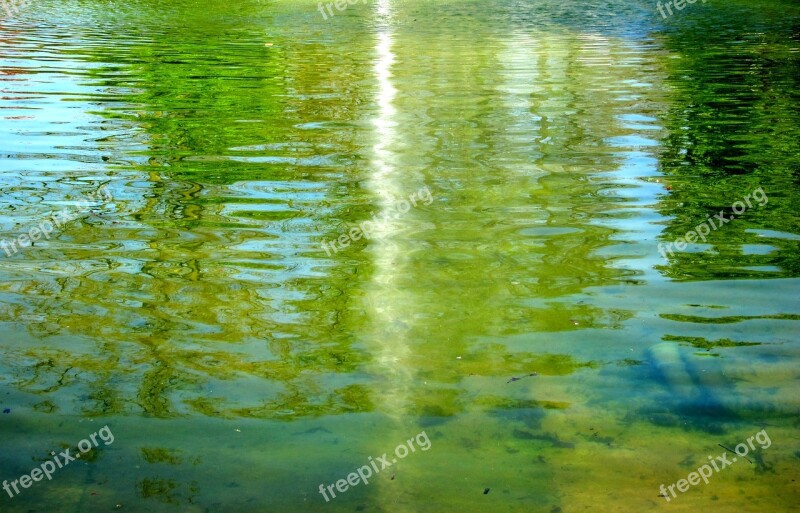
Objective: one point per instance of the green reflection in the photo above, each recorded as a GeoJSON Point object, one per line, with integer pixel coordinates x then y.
{"type": "Point", "coordinates": [560, 145]}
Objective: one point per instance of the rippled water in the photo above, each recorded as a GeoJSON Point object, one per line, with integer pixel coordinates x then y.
{"type": "Point", "coordinates": [524, 165]}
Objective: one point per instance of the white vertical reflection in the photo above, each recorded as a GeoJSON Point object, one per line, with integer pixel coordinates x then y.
{"type": "Point", "coordinates": [385, 299]}
{"type": "Point", "coordinates": [384, 122]}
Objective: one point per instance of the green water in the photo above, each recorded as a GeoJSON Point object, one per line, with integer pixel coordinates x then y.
{"type": "Point", "coordinates": [550, 148]}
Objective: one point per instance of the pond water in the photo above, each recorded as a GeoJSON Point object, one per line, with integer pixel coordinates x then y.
{"type": "Point", "coordinates": [555, 245]}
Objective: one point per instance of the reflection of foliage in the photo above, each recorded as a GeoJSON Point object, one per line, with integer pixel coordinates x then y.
{"type": "Point", "coordinates": [733, 129]}
{"type": "Point", "coordinates": [290, 406]}
{"type": "Point", "coordinates": [559, 317]}
{"type": "Point", "coordinates": [507, 403]}
{"type": "Point", "coordinates": [161, 455]}
{"type": "Point", "coordinates": [730, 319]}
{"type": "Point", "coordinates": [226, 365]}
{"type": "Point", "coordinates": [210, 292]}
{"type": "Point", "coordinates": [704, 343]}
{"type": "Point", "coordinates": [438, 402]}
{"type": "Point", "coordinates": [44, 370]}
{"type": "Point", "coordinates": [167, 490]}
{"type": "Point", "coordinates": [213, 407]}
{"type": "Point", "coordinates": [45, 407]}
{"type": "Point", "coordinates": [217, 286]}
{"type": "Point", "coordinates": [153, 397]}
{"type": "Point", "coordinates": [551, 439]}
{"type": "Point", "coordinates": [354, 398]}
{"type": "Point", "coordinates": [89, 456]}
{"type": "Point", "coordinates": [495, 360]}
{"type": "Point", "coordinates": [527, 411]}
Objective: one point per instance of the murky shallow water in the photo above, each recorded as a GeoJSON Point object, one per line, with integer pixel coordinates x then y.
{"type": "Point", "coordinates": [524, 160]}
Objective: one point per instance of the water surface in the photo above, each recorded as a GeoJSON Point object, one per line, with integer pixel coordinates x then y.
{"type": "Point", "coordinates": [193, 309]}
